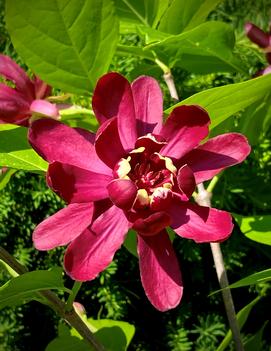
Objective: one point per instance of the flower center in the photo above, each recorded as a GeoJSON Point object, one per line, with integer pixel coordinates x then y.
{"type": "Point", "coordinates": [152, 173]}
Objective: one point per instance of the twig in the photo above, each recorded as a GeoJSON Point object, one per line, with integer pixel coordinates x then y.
{"type": "Point", "coordinates": [71, 317]}
{"type": "Point", "coordinates": [204, 199]}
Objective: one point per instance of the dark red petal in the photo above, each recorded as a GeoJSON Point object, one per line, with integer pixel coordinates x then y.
{"type": "Point", "coordinates": [268, 57]}
{"type": "Point", "coordinates": [122, 193]}
{"type": "Point", "coordinates": [107, 144]}
{"type": "Point", "coordinates": [202, 224]}
{"type": "Point", "coordinates": [185, 127]}
{"type": "Point", "coordinates": [75, 184]}
{"type": "Point", "coordinates": [92, 251]}
{"type": "Point", "coordinates": [256, 35]}
{"type": "Point", "coordinates": [186, 181]}
{"type": "Point", "coordinates": [153, 224]}
{"type": "Point", "coordinates": [148, 102]}
{"type": "Point", "coordinates": [159, 270]}
{"type": "Point", "coordinates": [55, 141]}
{"type": "Point", "coordinates": [113, 98]}
{"type": "Point", "coordinates": [13, 106]}
{"type": "Point", "coordinates": [13, 72]}
{"type": "Point", "coordinates": [151, 143]}
{"type": "Point", "coordinates": [42, 90]}
{"type": "Point", "coordinates": [216, 154]}
{"type": "Point", "coordinates": [63, 227]}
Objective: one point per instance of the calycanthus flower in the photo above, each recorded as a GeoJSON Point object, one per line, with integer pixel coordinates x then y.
{"type": "Point", "coordinates": [19, 103]}
{"type": "Point", "coordinates": [134, 173]}
{"type": "Point", "coordinates": [263, 40]}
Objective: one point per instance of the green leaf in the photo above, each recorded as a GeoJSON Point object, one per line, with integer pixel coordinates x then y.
{"type": "Point", "coordinates": [67, 343]}
{"type": "Point", "coordinates": [22, 288]}
{"type": "Point", "coordinates": [257, 228]}
{"type": "Point", "coordinates": [242, 317]}
{"type": "Point", "coordinates": [255, 341]}
{"type": "Point", "coordinates": [252, 279]}
{"type": "Point", "coordinates": [130, 242]}
{"type": "Point", "coordinates": [147, 12]}
{"type": "Point", "coordinates": [183, 15]}
{"type": "Point", "coordinates": [68, 43]}
{"type": "Point", "coordinates": [15, 152]}
{"type": "Point", "coordinates": [223, 102]}
{"type": "Point", "coordinates": [254, 121]}
{"type": "Point", "coordinates": [5, 177]}
{"type": "Point", "coordinates": [204, 49]}
{"type": "Point", "coordinates": [115, 335]}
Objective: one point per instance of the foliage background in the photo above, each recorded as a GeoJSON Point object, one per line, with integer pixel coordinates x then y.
{"type": "Point", "coordinates": [199, 323]}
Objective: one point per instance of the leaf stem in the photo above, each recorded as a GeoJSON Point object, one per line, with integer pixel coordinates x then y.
{"type": "Point", "coordinates": [75, 289]}
{"type": "Point", "coordinates": [71, 317]}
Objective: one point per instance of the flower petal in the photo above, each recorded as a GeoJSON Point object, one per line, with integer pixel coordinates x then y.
{"type": "Point", "coordinates": [153, 224]}
{"type": "Point", "coordinates": [13, 72]}
{"type": "Point", "coordinates": [13, 106]}
{"type": "Point", "coordinates": [107, 144]}
{"type": "Point", "coordinates": [216, 154]}
{"type": "Point", "coordinates": [63, 227]}
{"type": "Point", "coordinates": [159, 270]}
{"type": "Point", "coordinates": [75, 184]}
{"type": "Point", "coordinates": [256, 35]}
{"type": "Point", "coordinates": [92, 252]}
{"type": "Point", "coordinates": [185, 127]}
{"type": "Point", "coordinates": [122, 193]}
{"type": "Point", "coordinates": [44, 108]}
{"type": "Point", "coordinates": [113, 98]}
{"type": "Point", "coordinates": [42, 90]}
{"type": "Point", "coordinates": [55, 141]}
{"type": "Point", "coordinates": [148, 101]}
{"type": "Point", "coordinates": [200, 223]}
{"type": "Point", "coordinates": [186, 182]}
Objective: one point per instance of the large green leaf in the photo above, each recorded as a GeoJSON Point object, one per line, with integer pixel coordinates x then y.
{"type": "Point", "coordinates": [242, 317]}
{"type": "Point", "coordinates": [15, 152]}
{"type": "Point", "coordinates": [147, 12]}
{"type": "Point", "coordinates": [22, 288]}
{"type": "Point", "coordinates": [223, 102]}
{"type": "Point", "coordinates": [206, 48]}
{"type": "Point", "coordinates": [257, 228]}
{"type": "Point", "coordinates": [183, 15]}
{"type": "Point", "coordinates": [68, 43]}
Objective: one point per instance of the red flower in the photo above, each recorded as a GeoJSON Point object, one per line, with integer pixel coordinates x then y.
{"type": "Point", "coordinates": [18, 104]}
{"type": "Point", "coordinates": [263, 40]}
{"type": "Point", "coordinates": [135, 173]}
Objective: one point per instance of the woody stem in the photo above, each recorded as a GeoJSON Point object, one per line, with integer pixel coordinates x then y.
{"type": "Point", "coordinates": [71, 317]}
{"type": "Point", "coordinates": [204, 199]}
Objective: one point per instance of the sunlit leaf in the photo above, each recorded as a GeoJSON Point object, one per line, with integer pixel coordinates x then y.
{"type": "Point", "coordinates": [223, 102]}
{"type": "Point", "coordinates": [22, 288]}
{"type": "Point", "coordinates": [257, 228]}
{"type": "Point", "coordinates": [68, 43]}
{"type": "Point", "coordinates": [15, 152]}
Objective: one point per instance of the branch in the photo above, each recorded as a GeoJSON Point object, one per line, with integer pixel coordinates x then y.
{"type": "Point", "coordinates": [71, 317]}
{"type": "Point", "coordinates": [204, 199]}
